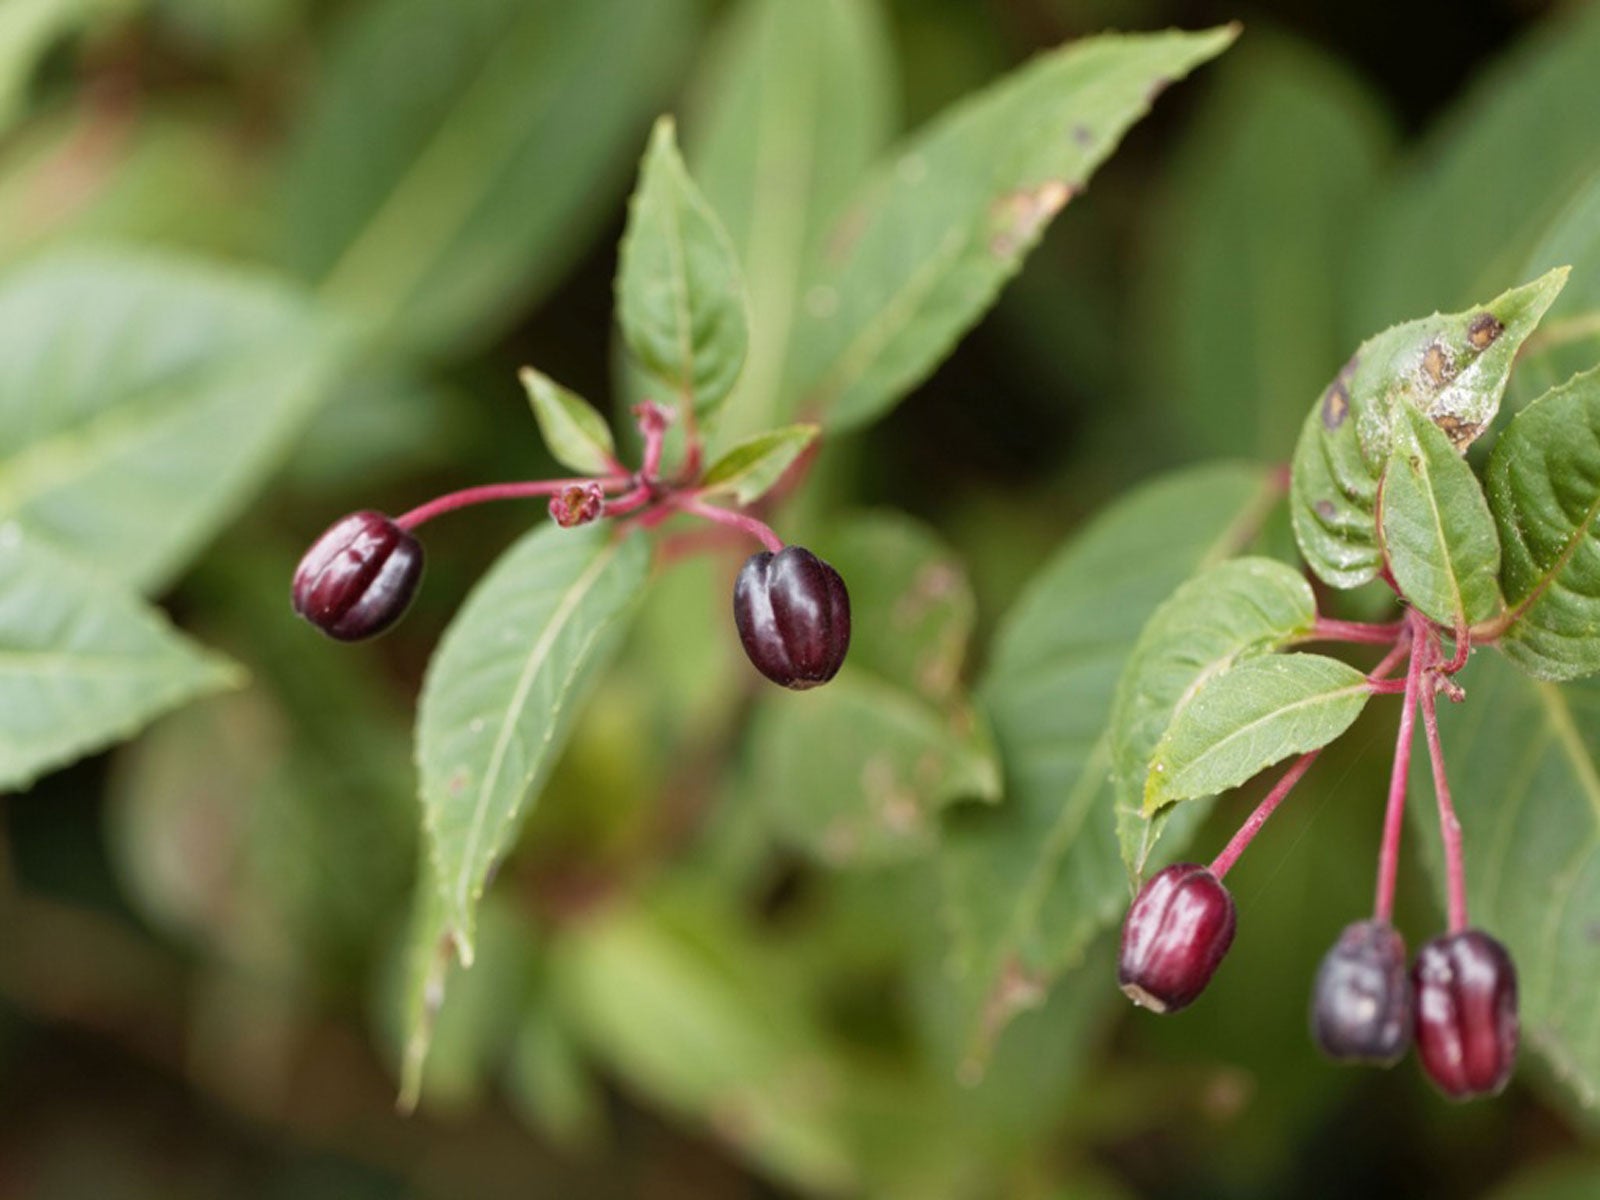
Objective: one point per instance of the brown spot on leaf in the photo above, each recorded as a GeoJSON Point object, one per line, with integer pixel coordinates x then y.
{"type": "Point", "coordinates": [1484, 331]}
{"type": "Point", "coordinates": [1437, 365]}
{"type": "Point", "coordinates": [1020, 215]}
{"type": "Point", "coordinates": [1083, 135]}
{"type": "Point", "coordinates": [1461, 433]}
{"type": "Point", "coordinates": [1335, 405]}
{"type": "Point", "coordinates": [1326, 509]}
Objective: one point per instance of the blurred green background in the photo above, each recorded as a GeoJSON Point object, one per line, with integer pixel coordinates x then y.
{"type": "Point", "coordinates": [200, 931]}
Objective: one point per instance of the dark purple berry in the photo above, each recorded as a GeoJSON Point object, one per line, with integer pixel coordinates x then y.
{"type": "Point", "coordinates": [1466, 1013]}
{"type": "Point", "coordinates": [1361, 1001]}
{"type": "Point", "coordinates": [358, 577]}
{"type": "Point", "coordinates": [1175, 934]}
{"type": "Point", "coordinates": [577, 505]}
{"type": "Point", "coordinates": [793, 614]}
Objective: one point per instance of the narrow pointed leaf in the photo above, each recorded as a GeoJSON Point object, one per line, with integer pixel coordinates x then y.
{"type": "Point", "coordinates": [1544, 488]}
{"type": "Point", "coordinates": [1238, 608]}
{"type": "Point", "coordinates": [142, 400]}
{"type": "Point", "coordinates": [1030, 882]}
{"type": "Point", "coordinates": [857, 773]}
{"type": "Point", "coordinates": [457, 156]}
{"type": "Point", "coordinates": [1524, 763]}
{"type": "Point", "coordinates": [798, 103]}
{"type": "Point", "coordinates": [1255, 714]}
{"type": "Point", "coordinates": [576, 435]}
{"type": "Point", "coordinates": [1438, 537]}
{"type": "Point", "coordinates": [925, 248]}
{"type": "Point", "coordinates": [82, 664]}
{"type": "Point", "coordinates": [680, 298]}
{"type": "Point", "coordinates": [503, 690]}
{"type": "Point", "coordinates": [1452, 368]}
{"type": "Point", "coordinates": [746, 471]}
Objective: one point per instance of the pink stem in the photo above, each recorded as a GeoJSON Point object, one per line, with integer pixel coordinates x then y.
{"type": "Point", "coordinates": [1392, 659]}
{"type": "Point", "coordinates": [734, 520]}
{"type": "Point", "coordinates": [1394, 813]}
{"type": "Point", "coordinates": [629, 502]}
{"type": "Point", "coordinates": [1253, 823]}
{"type": "Point", "coordinates": [1449, 825]}
{"type": "Point", "coordinates": [1328, 630]}
{"type": "Point", "coordinates": [1385, 687]}
{"type": "Point", "coordinates": [500, 491]}
{"type": "Point", "coordinates": [1463, 648]}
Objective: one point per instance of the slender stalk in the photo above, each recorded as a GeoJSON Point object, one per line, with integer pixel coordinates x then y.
{"type": "Point", "coordinates": [467, 497]}
{"type": "Point", "coordinates": [1463, 639]}
{"type": "Point", "coordinates": [629, 502]}
{"type": "Point", "coordinates": [759, 530]}
{"type": "Point", "coordinates": [1360, 632]}
{"type": "Point", "coordinates": [1449, 825]}
{"type": "Point", "coordinates": [1253, 823]}
{"type": "Point", "coordinates": [1394, 813]}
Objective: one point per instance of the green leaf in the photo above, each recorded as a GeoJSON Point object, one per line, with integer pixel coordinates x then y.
{"type": "Point", "coordinates": [1030, 882]}
{"type": "Point", "coordinates": [1452, 368]}
{"type": "Point", "coordinates": [181, 176]}
{"type": "Point", "coordinates": [749, 469]}
{"type": "Point", "coordinates": [577, 436]}
{"type": "Point", "coordinates": [856, 773]}
{"type": "Point", "coordinates": [1568, 340]}
{"type": "Point", "coordinates": [82, 664]}
{"type": "Point", "coordinates": [912, 607]}
{"type": "Point", "coordinates": [1438, 537]}
{"type": "Point", "coordinates": [143, 399]}
{"type": "Point", "coordinates": [1525, 775]}
{"type": "Point", "coordinates": [1238, 608]}
{"type": "Point", "coordinates": [468, 1031]}
{"type": "Point", "coordinates": [686, 1011]}
{"type": "Point", "coordinates": [1252, 715]}
{"type": "Point", "coordinates": [458, 155]}
{"type": "Point", "coordinates": [1282, 156]}
{"type": "Point", "coordinates": [798, 101]}
{"type": "Point", "coordinates": [1544, 488]}
{"type": "Point", "coordinates": [680, 299]}
{"type": "Point", "coordinates": [1569, 1178]}
{"type": "Point", "coordinates": [1484, 187]}
{"type": "Point", "coordinates": [503, 690]}
{"type": "Point", "coordinates": [948, 219]}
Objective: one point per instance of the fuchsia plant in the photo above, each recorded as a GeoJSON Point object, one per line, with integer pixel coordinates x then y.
{"type": "Point", "coordinates": [791, 609]}
{"type": "Point", "coordinates": [1380, 490]}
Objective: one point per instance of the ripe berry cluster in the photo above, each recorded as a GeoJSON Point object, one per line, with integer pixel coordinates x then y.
{"type": "Point", "coordinates": [1458, 1000]}
{"type": "Point", "coordinates": [791, 609]}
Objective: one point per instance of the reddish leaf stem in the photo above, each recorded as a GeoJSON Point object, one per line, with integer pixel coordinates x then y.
{"type": "Point", "coordinates": [467, 497]}
{"type": "Point", "coordinates": [1394, 813]}
{"type": "Point", "coordinates": [1449, 825]}
{"type": "Point", "coordinates": [757, 529]}
{"type": "Point", "coordinates": [1253, 823]}
{"type": "Point", "coordinates": [1360, 632]}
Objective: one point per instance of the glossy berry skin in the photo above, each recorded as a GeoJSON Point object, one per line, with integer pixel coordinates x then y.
{"type": "Point", "coordinates": [1361, 1001]}
{"type": "Point", "coordinates": [358, 577]}
{"type": "Point", "coordinates": [1466, 1013]}
{"type": "Point", "coordinates": [1175, 934]}
{"type": "Point", "coordinates": [793, 615]}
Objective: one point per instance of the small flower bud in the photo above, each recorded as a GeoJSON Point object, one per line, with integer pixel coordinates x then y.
{"type": "Point", "coordinates": [358, 577]}
{"type": "Point", "coordinates": [1175, 934]}
{"type": "Point", "coordinates": [1361, 1001]}
{"type": "Point", "coordinates": [1466, 1013]}
{"type": "Point", "coordinates": [653, 418]}
{"type": "Point", "coordinates": [793, 616]}
{"type": "Point", "coordinates": [577, 505]}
